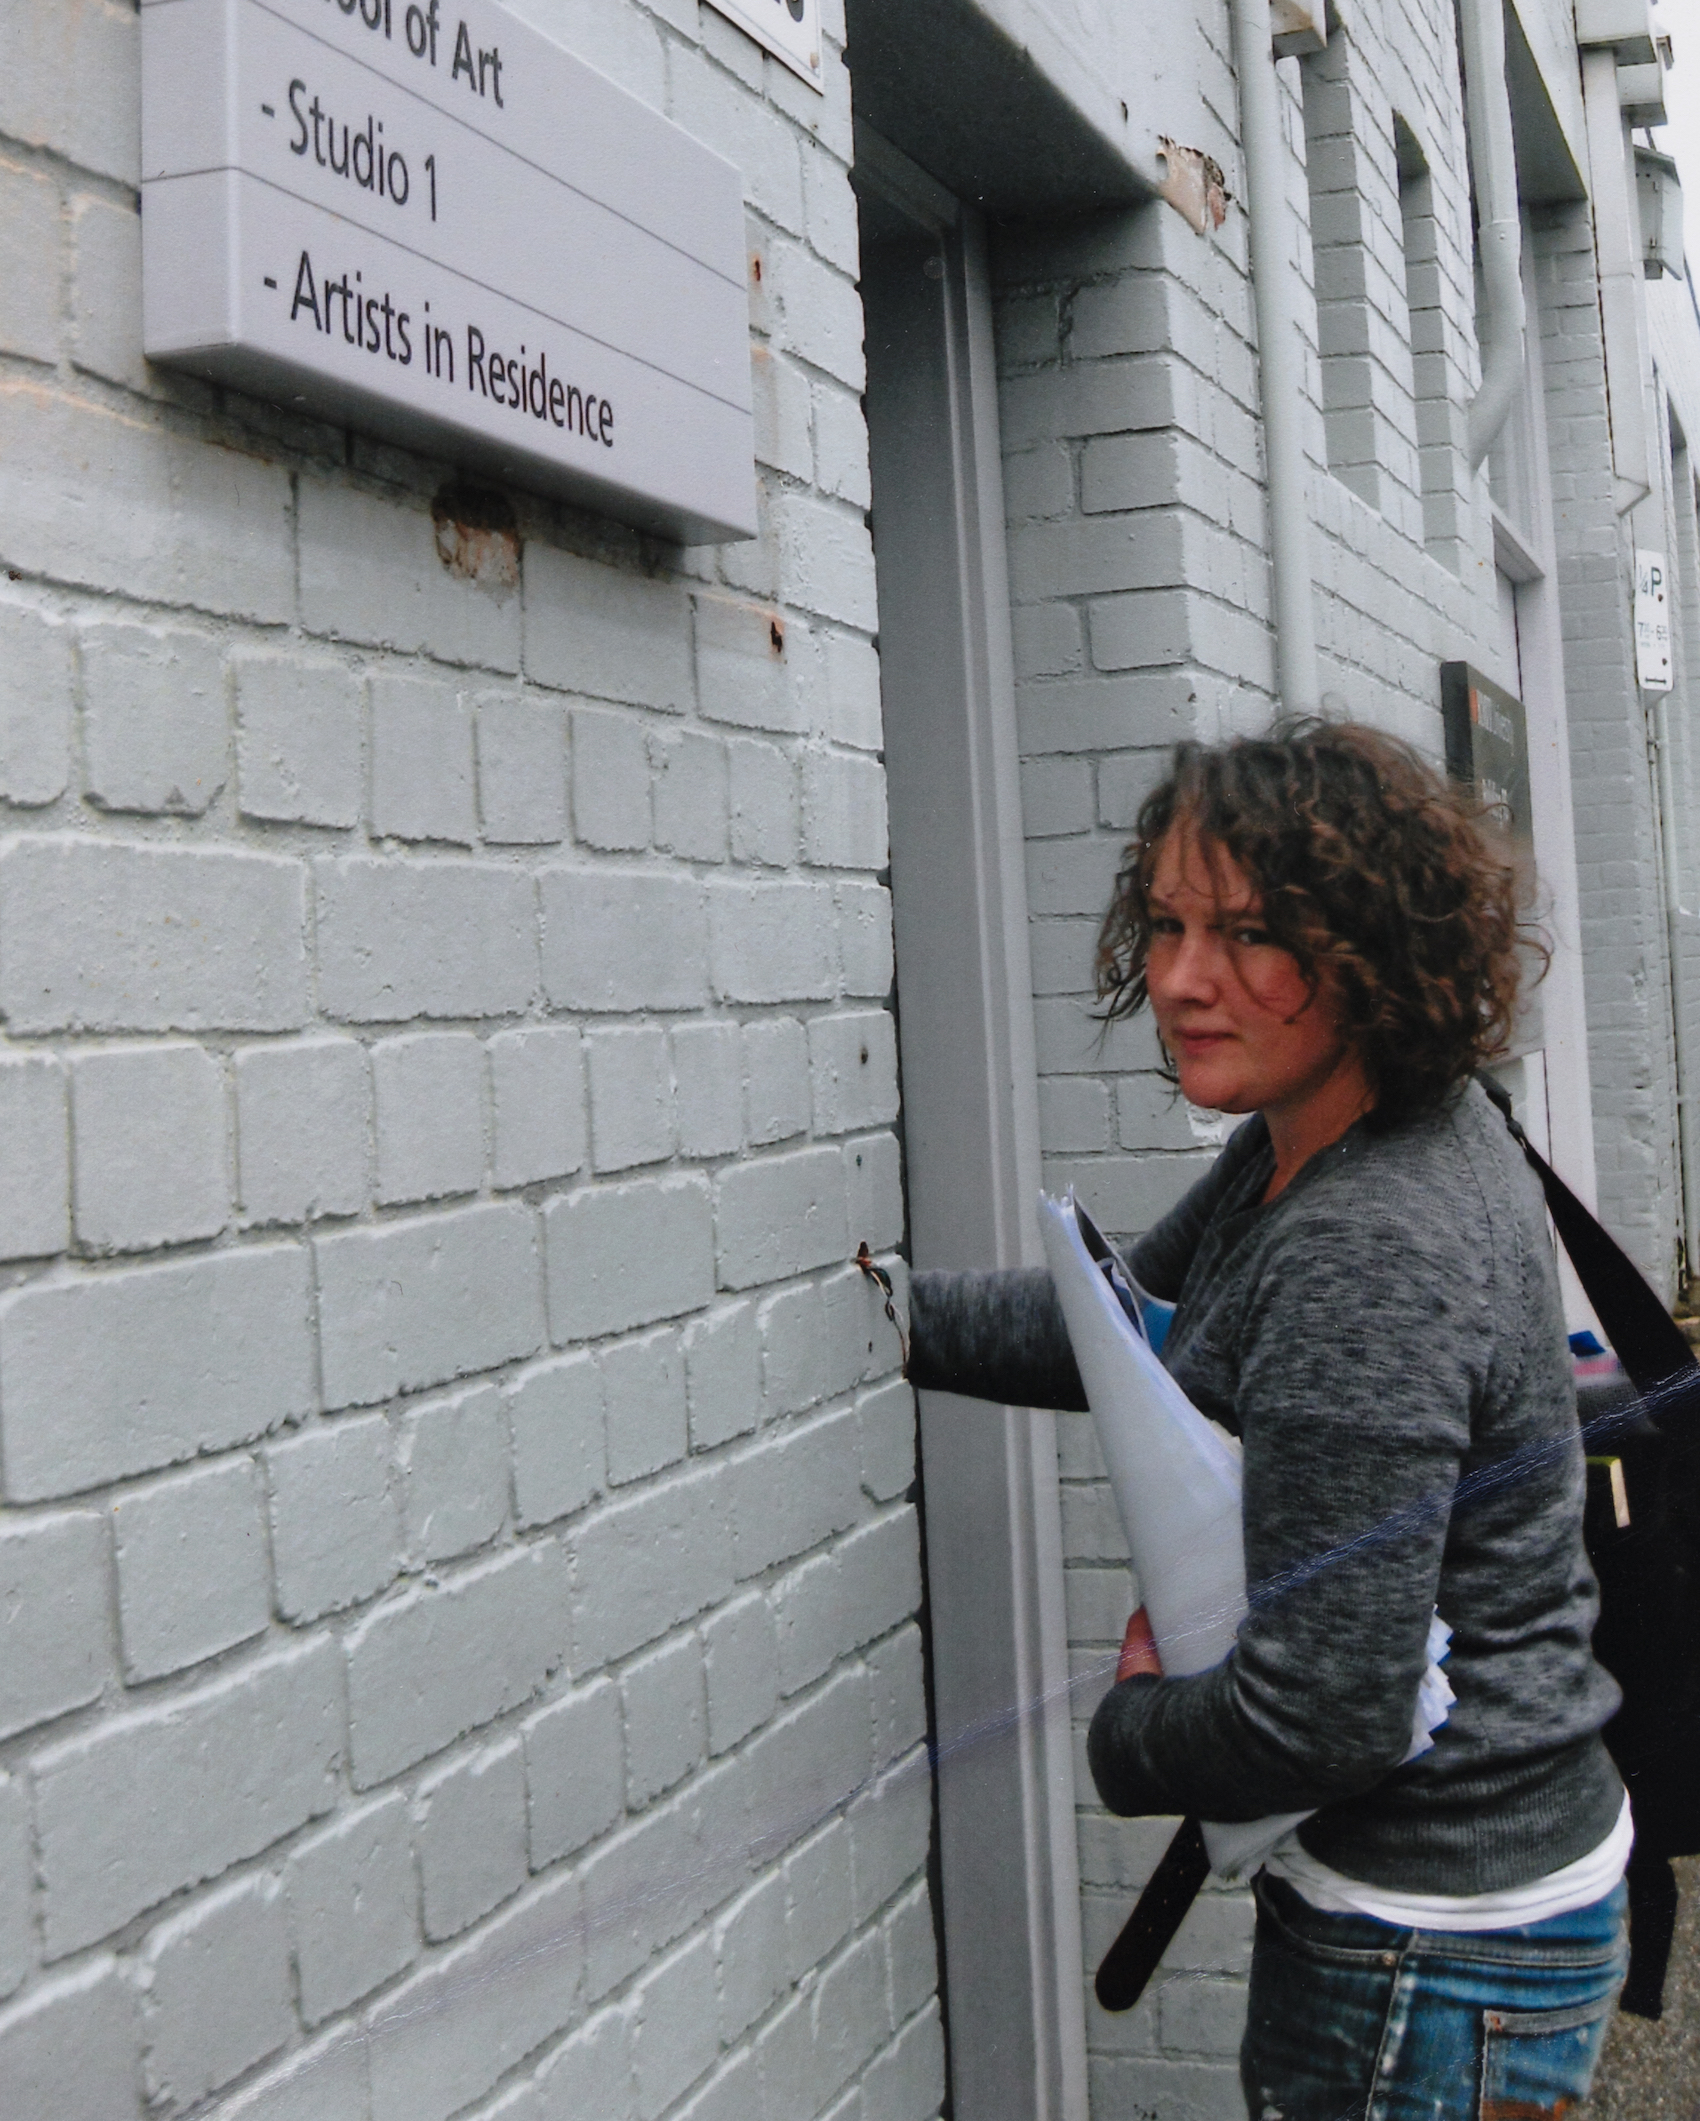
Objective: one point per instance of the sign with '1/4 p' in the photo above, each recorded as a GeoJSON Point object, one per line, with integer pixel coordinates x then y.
{"type": "Point", "coordinates": [1652, 623]}
{"type": "Point", "coordinates": [424, 219]}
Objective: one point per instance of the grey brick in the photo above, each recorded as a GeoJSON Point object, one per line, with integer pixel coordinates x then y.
{"type": "Point", "coordinates": [897, 1689]}
{"type": "Point", "coordinates": [423, 785]}
{"type": "Point", "coordinates": [69, 2050]}
{"type": "Point", "coordinates": [776, 1079]}
{"type": "Point", "coordinates": [762, 800]}
{"type": "Point", "coordinates": [443, 2038]}
{"type": "Point", "coordinates": [643, 1384]}
{"type": "Point", "coordinates": [575, 1780]}
{"type": "Point", "coordinates": [874, 1185]}
{"type": "Point", "coordinates": [101, 936]}
{"type": "Point", "coordinates": [749, 1941]}
{"type": "Point", "coordinates": [795, 1350]}
{"type": "Point", "coordinates": [623, 939]}
{"type": "Point", "coordinates": [886, 1421]}
{"type": "Point", "coordinates": [471, 1837]}
{"type": "Point", "coordinates": [723, 1375]}
{"type": "Point", "coordinates": [105, 1375]}
{"type": "Point", "coordinates": [192, 1575]}
{"type": "Point", "coordinates": [853, 1070]}
{"type": "Point", "coordinates": [772, 942]}
{"type": "Point", "coordinates": [522, 770]}
{"type": "Point", "coordinates": [673, 2031]}
{"type": "Point", "coordinates": [423, 1301]}
{"type": "Point", "coordinates": [559, 1456]}
{"type": "Point", "coordinates": [780, 1215]}
{"type": "Point", "coordinates": [439, 1663]}
{"type": "Point", "coordinates": [850, 2019]}
{"type": "Point", "coordinates": [844, 822]}
{"type": "Point", "coordinates": [155, 735]}
{"type": "Point", "coordinates": [708, 1089]}
{"type": "Point", "coordinates": [631, 1097]}
{"type": "Point", "coordinates": [149, 1129]}
{"type": "Point", "coordinates": [890, 1828]}
{"type": "Point", "coordinates": [588, 2074]}
{"type": "Point", "coordinates": [792, 1489]}
{"type": "Point", "coordinates": [661, 1695]}
{"type": "Point", "coordinates": [864, 938]}
{"type": "Point", "coordinates": [333, 1519]}
{"type": "Point", "coordinates": [172, 1794]}
{"type": "Point", "coordinates": [428, 1098]}
{"type": "Point", "coordinates": [369, 570]}
{"type": "Point", "coordinates": [35, 705]}
{"type": "Point", "coordinates": [324, 2082]}
{"type": "Point", "coordinates": [216, 1982]}
{"type": "Point", "coordinates": [29, 263]}
{"type": "Point", "coordinates": [610, 781]}
{"type": "Point", "coordinates": [54, 1592]}
{"type": "Point", "coordinates": [299, 742]}
{"type": "Point", "coordinates": [646, 1564]}
{"type": "Point", "coordinates": [604, 632]}
{"type": "Point", "coordinates": [34, 1158]}
{"type": "Point", "coordinates": [741, 1663]}
{"type": "Point", "coordinates": [809, 1761]}
{"type": "Point", "coordinates": [690, 795]}
{"type": "Point", "coordinates": [399, 939]}
{"type": "Point", "coordinates": [353, 1905]}
{"type": "Point", "coordinates": [17, 1864]}
{"type": "Point", "coordinates": [538, 1100]}
{"type": "Point", "coordinates": [625, 1255]}
{"type": "Point", "coordinates": [906, 2081]}
{"type": "Point", "coordinates": [301, 1126]}
{"type": "Point", "coordinates": [743, 676]}
{"type": "Point", "coordinates": [451, 1463]}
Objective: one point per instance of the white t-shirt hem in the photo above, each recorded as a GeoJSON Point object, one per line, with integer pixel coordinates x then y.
{"type": "Point", "coordinates": [1560, 1892]}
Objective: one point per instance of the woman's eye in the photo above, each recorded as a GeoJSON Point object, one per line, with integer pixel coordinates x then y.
{"type": "Point", "coordinates": [1252, 938]}
{"type": "Point", "coordinates": [1165, 924]}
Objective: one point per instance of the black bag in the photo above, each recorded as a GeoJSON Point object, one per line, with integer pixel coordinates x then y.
{"type": "Point", "coordinates": [1642, 1529]}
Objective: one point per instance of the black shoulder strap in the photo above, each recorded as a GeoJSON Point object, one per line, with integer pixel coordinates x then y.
{"type": "Point", "coordinates": [1656, 1358]}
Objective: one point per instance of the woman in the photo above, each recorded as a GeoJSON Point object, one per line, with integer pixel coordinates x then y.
{"type": "Point", "coordinates": [1366, 1295]}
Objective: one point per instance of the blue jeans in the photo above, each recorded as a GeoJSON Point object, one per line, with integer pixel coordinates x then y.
{"type": "Point", "coordinates": [1355, 2020]}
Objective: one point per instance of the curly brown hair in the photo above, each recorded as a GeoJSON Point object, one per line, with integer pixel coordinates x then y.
{"type": "Point", "coordinates": [1373, 868]}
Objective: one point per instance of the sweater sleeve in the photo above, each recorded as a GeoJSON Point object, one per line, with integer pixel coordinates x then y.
{"type": "Point", "coordinates": [1366, 1347]}
{"type": "Point", "coordinates": [997, 1336]}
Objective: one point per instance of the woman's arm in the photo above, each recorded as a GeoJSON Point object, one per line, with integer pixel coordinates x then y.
{"type": "Point", "coordinates": [1000, 1335]}
{"type": "Point", "coordinates": [1364, 1353]}
{"type": "Point", "coordinates": [996, 1336]}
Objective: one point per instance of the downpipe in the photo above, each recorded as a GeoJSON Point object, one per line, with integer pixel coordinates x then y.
{"type": "Point", "coordinates": [1502, 320]}
{"type": "Point", "coordinates": [1280, 356]}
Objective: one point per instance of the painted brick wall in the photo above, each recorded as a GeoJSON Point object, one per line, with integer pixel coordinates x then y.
{"type": "Point", "coordinates": [1616, 836]}
{"type": "Point", "coordinates": [1139, 579]}
{"type": "Point", "coordinates": [460, 1579]}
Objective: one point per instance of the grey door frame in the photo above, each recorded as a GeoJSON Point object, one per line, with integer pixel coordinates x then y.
{"type": "Point", "coordinates": [1015, 1987]}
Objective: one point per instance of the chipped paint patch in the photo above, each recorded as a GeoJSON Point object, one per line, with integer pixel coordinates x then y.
{"type": "Point", "coordinates": [1195, 186]}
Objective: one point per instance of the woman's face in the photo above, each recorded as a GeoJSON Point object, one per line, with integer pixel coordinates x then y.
{"type": "Point", "coordinates": [1233, 1008]}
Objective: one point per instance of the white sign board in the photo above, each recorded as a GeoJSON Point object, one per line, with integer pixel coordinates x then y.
{"type": "Point", "coordinates": [790, 29]}
{"type": "Point", "coordinates": [422, 218]}
{"type": "Point", "coordinates": [1652, 623]}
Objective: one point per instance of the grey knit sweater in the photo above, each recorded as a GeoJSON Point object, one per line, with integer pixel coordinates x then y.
{"type": "Point", "coordinates": [1386, 1337]}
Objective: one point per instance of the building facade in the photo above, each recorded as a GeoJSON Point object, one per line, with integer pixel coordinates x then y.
{"type": "Point", "coordinates": [488, 1632]}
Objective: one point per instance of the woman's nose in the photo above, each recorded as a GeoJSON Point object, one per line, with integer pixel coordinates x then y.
{"type": "Point", "coordinates": [1188, 970]}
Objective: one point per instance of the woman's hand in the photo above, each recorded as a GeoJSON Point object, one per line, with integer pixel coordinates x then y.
{"type": "Point", "coordinates": [1139, 1651]}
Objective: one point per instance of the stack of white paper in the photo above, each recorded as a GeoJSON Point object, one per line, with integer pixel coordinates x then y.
{"type": "Point", "coordinates": [1177, 1485]}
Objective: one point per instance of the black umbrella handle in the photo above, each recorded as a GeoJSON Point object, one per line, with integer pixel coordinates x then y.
{"type": "Point", "coordinates": [1149, 1931]}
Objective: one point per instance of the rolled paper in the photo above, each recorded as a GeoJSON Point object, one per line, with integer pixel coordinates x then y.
{"type": "Point", "coordinates": [1177, 1484]}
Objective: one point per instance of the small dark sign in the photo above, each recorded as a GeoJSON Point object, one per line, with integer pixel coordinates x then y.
{"type": "Point", "coordinates": [1487, 743]}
